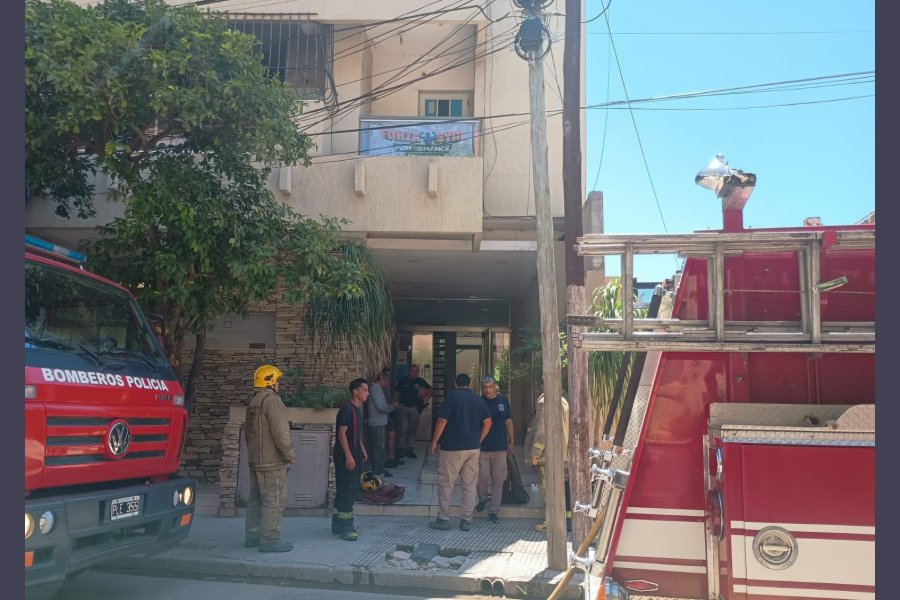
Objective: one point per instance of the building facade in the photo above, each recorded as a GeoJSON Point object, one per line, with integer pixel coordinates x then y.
{"type": "Point", "coordinates": [420, 117]}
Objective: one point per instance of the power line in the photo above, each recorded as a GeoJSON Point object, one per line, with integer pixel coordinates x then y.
{"type": "Point", "coordinates": [381, 91]}
{"type": "Point", "coordinates": [634, 122]}
{"type": "Point", "coordinates": [758, 106]}
{"type": "Point", "coordinates": [489, 98]}
{"type": "Point", "coordinates": [602, 12]}
{"type": "Point", "coordinates": [766, 87]}
{"type": "Point", "coordinates": [774, 86]}
{"type": "Point", "coordinates": [351, 104]}
{"type": "Point", "coordinates": [559, 93]}
{"type": "Point", "coordinates": [462, 51]}
{"type": "Point", "coordinates": [405, 24]}
{"type": "Point", "coordinates": [605, 117]}
{"type": "Point", "coordinates": [449, 36]}
{"type": "Point", "coordinates": [826, 81]}
{"type": "Point", "coordinates": [733, 33]}
{"type": "Point", "coordinates": [354, 154]}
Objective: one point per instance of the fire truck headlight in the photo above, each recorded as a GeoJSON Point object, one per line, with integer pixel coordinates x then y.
{"type": "Point", "coordinates": [29, 525]}
{"type": "Point", "coordinates": [187, 496]}
{"type": "Point", "coordinates": [48, 520]}
{"type": "Point", "coordinates": [176, 498]}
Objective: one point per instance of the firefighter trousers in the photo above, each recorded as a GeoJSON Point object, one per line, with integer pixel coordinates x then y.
{"type": "Point", "coordinates": [265, 506]}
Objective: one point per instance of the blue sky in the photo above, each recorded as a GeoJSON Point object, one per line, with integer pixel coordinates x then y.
{"type": "Point", "coordinates": [810, 160]}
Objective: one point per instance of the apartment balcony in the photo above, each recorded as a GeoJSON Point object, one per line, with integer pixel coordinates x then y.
{"type": "Point", "coordinates": [409, 177]}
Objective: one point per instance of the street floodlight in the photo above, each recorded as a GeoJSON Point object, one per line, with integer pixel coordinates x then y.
{"type": "Point", "coordinates": [731, 185]}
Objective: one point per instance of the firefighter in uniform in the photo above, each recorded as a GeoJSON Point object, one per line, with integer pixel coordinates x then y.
{"type": "Point", "coordinates": [534, 444]}
{"type": "Point", "coordinates": [269, 452]}
{"type": "Point", "coordinates": [349, 455]}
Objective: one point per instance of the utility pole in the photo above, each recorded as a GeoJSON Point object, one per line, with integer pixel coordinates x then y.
{"type": "Point", "coordinates": [580, 409]}
{"type": "Point", "coordinates": [533, 44]}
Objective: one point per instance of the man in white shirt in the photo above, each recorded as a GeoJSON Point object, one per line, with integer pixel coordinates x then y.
{"type": "Point", "coordinates": [379, 409]}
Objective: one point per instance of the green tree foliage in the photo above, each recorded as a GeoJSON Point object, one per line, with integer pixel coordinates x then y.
{"type": "Point", "coordinates": [526, 357]}
{"type": "Point", "coordinates": [603, 367]}
{"type": "Point", "coordinates": [361, 322]}
{"type": "Point", "coordinates": [113, 87]}
{"type": "Point", "coordinates": [176, 108]}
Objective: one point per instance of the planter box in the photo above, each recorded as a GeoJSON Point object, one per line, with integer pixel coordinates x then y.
{"type": "Point", "coordinates": [310, 482]}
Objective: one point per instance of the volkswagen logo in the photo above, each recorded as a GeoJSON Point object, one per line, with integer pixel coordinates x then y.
{"type": "Point", "coordinates": [118, 438]}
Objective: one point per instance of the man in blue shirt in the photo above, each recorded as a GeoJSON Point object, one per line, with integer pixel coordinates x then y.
{"type": "Point", "coordinates": [499, 441]}
{"type": "Point", "coordinates": [462, 424]}
{"type": "Point", "coordinates": [411, 404]}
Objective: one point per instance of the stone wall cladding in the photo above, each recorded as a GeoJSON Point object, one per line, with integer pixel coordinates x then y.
{"type": "Point", "coordinates": [226, 379]}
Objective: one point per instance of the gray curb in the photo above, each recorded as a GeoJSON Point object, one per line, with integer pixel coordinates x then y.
{"type": "Point", "coordinates": [183, 564]}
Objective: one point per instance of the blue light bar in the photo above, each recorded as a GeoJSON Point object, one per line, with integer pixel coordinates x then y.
{"type": "Point", "coordinates": [53, 248]}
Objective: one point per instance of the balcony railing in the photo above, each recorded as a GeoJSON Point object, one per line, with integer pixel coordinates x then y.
{"type": "Point", "coordinates": [419, 137]}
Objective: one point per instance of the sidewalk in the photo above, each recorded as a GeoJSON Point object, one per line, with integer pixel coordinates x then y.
{"type": "Point", "coordinates": [419, 477]}
{"type": "Point", "coordinates": [509, 550]}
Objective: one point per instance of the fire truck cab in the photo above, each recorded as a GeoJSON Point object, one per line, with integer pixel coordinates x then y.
{"type": "Point", "coordinates": [104, 425]}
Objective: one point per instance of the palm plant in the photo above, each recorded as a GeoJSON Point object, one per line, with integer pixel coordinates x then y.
{"type": "Point", "coordinates": [363, 324]}
{"type": "Point", "coordinates": [603, 367]}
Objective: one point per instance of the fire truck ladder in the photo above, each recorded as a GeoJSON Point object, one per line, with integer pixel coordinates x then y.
{"type": "Point", "coordinates": [716, 334]}
{"type": "Point", "coordinates": [609, 477]}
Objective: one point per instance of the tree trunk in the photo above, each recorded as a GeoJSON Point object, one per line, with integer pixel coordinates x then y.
{"type": "Point", "coordinates": [190, 386]}
{"type": "Point", "coordinates": [326, 360]}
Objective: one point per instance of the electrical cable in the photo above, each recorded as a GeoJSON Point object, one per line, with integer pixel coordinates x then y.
{"type": "Point", "coordinates": [602, 12]}
{"type": "Point", "coordinates": [381, 92]}
{"type": "Point", "coordinates": [623, 103]}
{"type": "Point", "coordinates": [606, 116]}
{"type": "Point", "coordinates": [634, 122]}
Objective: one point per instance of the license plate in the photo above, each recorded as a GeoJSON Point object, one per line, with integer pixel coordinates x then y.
{"type": "Point", "coordinates": [122, 508]}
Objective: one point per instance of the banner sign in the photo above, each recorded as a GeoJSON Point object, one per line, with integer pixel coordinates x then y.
{"type": "Point", "coordinates": [417, 138]}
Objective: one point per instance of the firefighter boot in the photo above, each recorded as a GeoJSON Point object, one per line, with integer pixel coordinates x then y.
{"type": "Point", "coordinates": [276, 547]}
{"type": "Point", "coordinates": [343, 526]}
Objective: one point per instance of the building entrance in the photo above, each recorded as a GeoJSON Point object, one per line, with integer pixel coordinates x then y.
{"type": "Point", "coordinates": [442, 353]}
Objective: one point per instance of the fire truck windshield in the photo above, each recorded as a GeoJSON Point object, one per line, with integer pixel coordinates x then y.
{"type": "Point", "coordinates": [71, 314]}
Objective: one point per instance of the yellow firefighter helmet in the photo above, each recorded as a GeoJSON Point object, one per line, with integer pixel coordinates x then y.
{"type": "Point", "coordinates": [370, 482]}
{"type": "Point", "coordinates": [266, 376]}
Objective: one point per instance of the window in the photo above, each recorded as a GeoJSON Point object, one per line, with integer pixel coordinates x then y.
{"type": "Point", "coordinates": [67, 313]}
{"type": "Point", "coordinates": [437, 105]}
{"type": "Point", "coordinates": [297, 53]}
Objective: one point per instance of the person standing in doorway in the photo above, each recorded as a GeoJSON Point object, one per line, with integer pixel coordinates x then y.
{"type": "Point", "coordinates": [379, 409]}
{"type": "Point", "coordinates": [463, 421]}
{"type": "Point", "coordinates": [349, 456]}
{"type": "Point", "coordinates": [267, 434]}
{"type": "Point", "coordinates": [499, 441]}
{"type": "Point", "coordinates": [409, 396]}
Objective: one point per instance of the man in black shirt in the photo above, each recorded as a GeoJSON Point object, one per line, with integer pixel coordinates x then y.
{"type": "Point", "coordinates": [412, 399]}
{"type": "Point", "coordinates": [349, 456]}
{"type": "Point", "coordinates": [463, 422]}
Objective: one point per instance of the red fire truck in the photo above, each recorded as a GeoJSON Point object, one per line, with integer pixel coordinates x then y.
{"type": "Point", "coordinates": [104, 425]}
{"type": "Point", "coordinates": [745, 464]}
